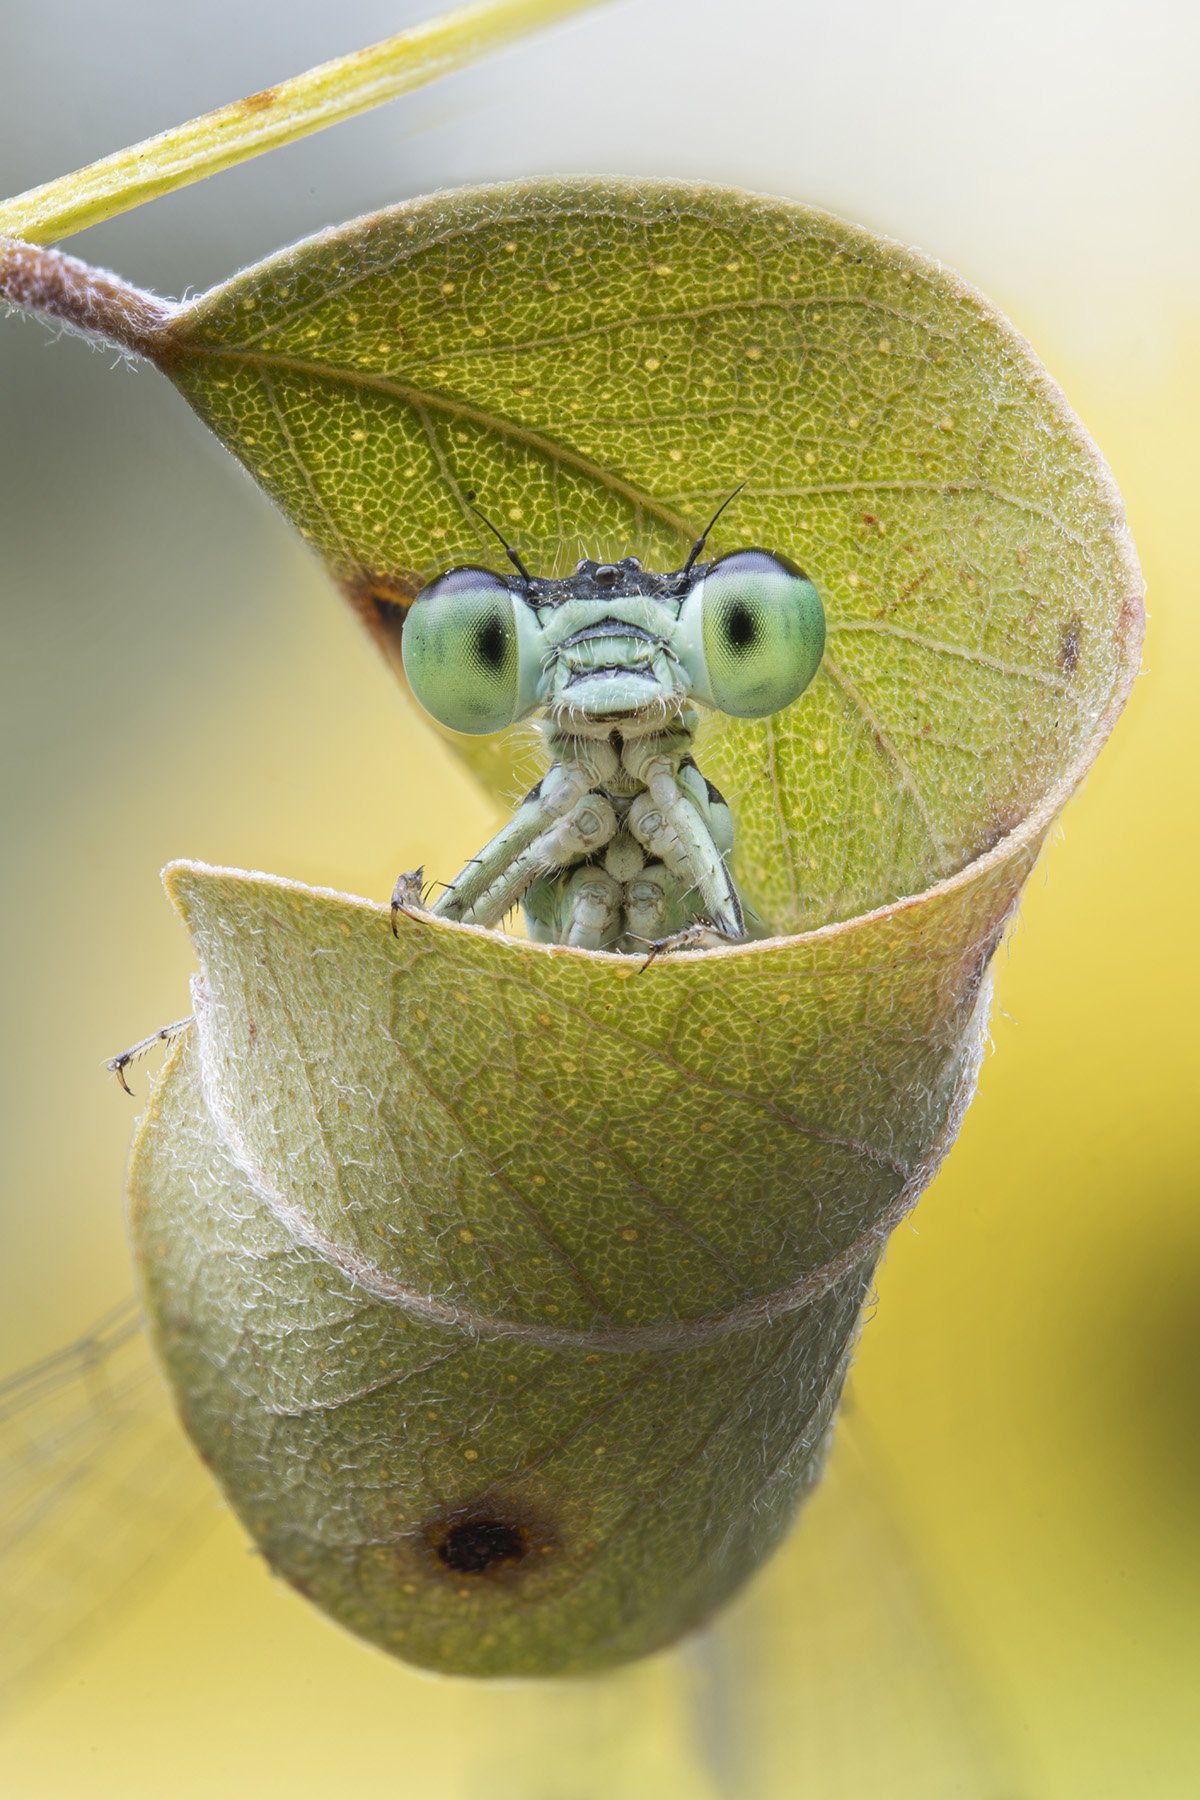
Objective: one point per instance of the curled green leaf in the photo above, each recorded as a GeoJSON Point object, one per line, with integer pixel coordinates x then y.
{"type": "Point", "coordinates": [601, 363]}
{"type": "Point", "coordinates": [507, 1289]}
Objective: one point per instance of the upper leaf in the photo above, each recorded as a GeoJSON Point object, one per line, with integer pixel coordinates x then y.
{"type": "Point", "coordinates": [600, 363]}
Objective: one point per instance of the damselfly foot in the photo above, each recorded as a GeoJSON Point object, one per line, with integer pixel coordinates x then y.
{"type": "Point", "coordinates": [408, 896]}
{"type": "Point", "coordinates": [693, 937]}
{"type": "Point", "coordinates": [117, 1065]}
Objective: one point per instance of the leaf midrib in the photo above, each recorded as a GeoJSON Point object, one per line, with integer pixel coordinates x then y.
{"type": "Point", "coordinates": [459, 410]}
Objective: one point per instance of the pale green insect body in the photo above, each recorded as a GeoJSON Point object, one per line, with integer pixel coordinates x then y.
{"type": "Point", "coordinates": [623, 844]}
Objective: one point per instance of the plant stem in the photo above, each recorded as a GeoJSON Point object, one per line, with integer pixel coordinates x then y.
{"type": "Point", "coordinates": [278, 115]}
{"type": "Point", "coordinates": [88, 301]}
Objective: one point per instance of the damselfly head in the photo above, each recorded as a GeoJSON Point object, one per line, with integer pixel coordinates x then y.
{"type": "Point", "coordinates": [614, 643]}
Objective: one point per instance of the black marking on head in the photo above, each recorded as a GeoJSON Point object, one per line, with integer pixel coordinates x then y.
{"type": "Point", "coordinates": [607, 628]}
{"type": "Point", "coordinates": [623, 580]}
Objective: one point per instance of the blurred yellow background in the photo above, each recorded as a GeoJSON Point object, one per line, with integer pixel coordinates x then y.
{"type": "Point", "coordinates": [179, 679]}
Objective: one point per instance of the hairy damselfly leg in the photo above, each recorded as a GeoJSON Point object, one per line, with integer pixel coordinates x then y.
{"type": "Point", "coordinates": [117, 1065]}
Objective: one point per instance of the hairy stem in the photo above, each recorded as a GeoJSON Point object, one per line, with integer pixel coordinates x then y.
{"type": "Point", "coordinates": [323, 96]}
{"type": "Point", "coordinates": [85, 300]}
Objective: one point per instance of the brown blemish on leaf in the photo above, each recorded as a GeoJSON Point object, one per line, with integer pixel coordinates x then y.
{"type": "Point", "coordinates": [1068, 649]}
{"type": "Point", "coordinates": [381, 602]}
{"type": "Point", "coordinates": [262, 101]}
{"type": "Point", "coordinates": [905, 594]}
{"type": "Point", "coordinates": [1004, 821]}
{"type": "Point", "coordinates": [973, 965]}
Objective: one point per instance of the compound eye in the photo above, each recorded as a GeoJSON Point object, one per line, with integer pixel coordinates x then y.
{"type": "Point", "coordinates": [763, 629]}
{"type": "Point", "coordinates": [462, 651]}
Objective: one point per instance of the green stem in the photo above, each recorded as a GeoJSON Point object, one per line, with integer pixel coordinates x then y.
{"type": "Point", "coordinates": [278, 115]}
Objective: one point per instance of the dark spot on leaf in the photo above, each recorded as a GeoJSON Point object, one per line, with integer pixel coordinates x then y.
{"type": "Point", "coordinates": [910, 588]}
{"type": "Point", "coordinates": [1068, 649]}
{"type": "Point", "coordinates": [382, 602]}
{"type": "Point", "coordinates": [480, 1544]}
{"type": "Point", "coordinates": [491, 1539]}
{"type": "Point", "coordinates": [265, 97]}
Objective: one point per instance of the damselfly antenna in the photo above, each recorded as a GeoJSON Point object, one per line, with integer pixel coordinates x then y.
{"type": "Point", "coordinates": [511, 554]}
{"type": "Point", "coordinates": [700, 542]}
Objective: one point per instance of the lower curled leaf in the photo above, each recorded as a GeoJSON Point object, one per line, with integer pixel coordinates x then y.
{"type": "Point", "coordinates": [482, 1506]}
{"type": "Point", "coordinates": [509, 1292]}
